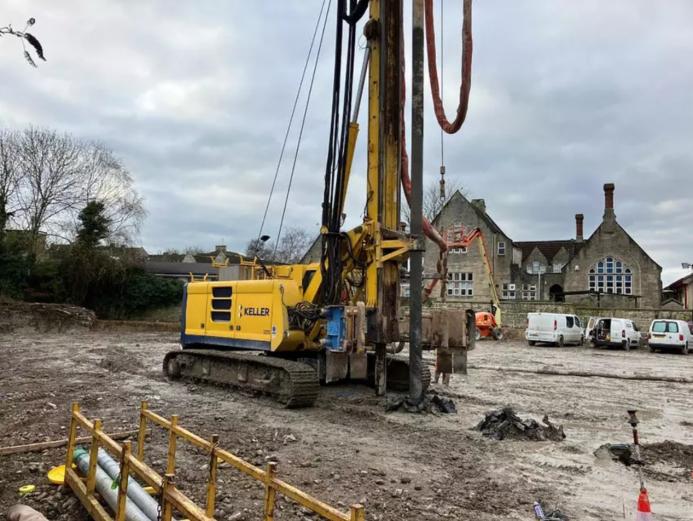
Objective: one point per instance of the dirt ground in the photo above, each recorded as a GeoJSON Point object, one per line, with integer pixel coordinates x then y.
{"type": "Point", "coordinates": [346, 449]}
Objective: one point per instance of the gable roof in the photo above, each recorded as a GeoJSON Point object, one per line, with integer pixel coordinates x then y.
{"type": "Point", "coordinates": [629, 237]}
{"type": "Point", "coordinates": [683, 281]}
{"type": "Point", "coordinates": [479, 212]}
{"type": "Point", "coordinates": [549, 249]}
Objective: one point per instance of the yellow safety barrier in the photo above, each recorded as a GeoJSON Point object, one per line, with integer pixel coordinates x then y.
{"type": "Point", "coordinates": [171, 498]}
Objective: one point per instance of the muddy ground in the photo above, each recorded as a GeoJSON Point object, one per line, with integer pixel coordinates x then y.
{"type": "Point", "coordinates": [347, 449]}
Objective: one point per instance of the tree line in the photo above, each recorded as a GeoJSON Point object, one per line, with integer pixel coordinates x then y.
{"type": "Point", "coordinates": [68, 209]}
{"type": "Point", "coordinates": [290, 249]}
{"type": "Point", "coordinates": [48, 178]}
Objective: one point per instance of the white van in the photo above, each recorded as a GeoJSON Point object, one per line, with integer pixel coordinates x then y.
{"type": "Point", "coordinates": [615, 332]}
{"type": "Point", "coordinates": [591, 323]}
{"type": "Point", "coordinates": [554, 328]}
{"type": "Point", "coordinates": [670, 334]}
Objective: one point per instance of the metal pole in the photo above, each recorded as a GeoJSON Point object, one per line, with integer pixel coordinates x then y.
{"type": "Point", "coordinates": [633, 421]}
{"type": "Point", "coordinates": [416, 255]}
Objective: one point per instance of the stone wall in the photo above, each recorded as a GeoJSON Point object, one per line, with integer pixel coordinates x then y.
{"type": "Point", "coordinates": [514, 314]}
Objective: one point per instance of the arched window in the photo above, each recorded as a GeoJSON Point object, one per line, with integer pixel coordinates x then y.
{"type": "Point", "coordinates": [611, 276]}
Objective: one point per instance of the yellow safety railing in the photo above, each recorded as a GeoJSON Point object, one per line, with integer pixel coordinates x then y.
{"type": "Point", "coordinates": [172, 498]}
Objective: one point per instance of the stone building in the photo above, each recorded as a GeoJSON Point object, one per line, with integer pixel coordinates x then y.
{"type": "Point", "coordinates": [468, 277]}
{"type": "Point", "coordinates": [609, 265]}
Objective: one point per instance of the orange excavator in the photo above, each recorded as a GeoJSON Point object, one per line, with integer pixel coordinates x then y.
{"type": "Point", "coordinates": [488, 323]}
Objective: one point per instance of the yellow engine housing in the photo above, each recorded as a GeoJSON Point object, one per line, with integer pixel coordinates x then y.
{"type": "Point", "coordinates": [242, 314]}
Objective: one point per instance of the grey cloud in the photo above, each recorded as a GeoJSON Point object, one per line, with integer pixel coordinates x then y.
{"type": "Point", "coordinates": [194, 97]}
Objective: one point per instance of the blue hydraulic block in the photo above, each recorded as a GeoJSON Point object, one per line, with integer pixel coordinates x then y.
{"type": "Point", "coordinates": [336, 328]}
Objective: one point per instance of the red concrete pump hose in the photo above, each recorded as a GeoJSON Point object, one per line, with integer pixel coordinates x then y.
{"type": "Point", "coordinates": [466, 84]}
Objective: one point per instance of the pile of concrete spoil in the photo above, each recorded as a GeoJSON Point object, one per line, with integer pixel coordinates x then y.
{"type": "Point", "coordinates": [431, 403]}
{"type": "Point", "coordinates": [505, 424]}
{"type": "Point", "coordinates": [668, 461]}
{"type": "Point", "coordinates": [42, 317]}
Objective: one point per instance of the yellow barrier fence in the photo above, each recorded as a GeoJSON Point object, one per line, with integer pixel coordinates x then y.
{"type": "Point", "coordinates": [171, 498]}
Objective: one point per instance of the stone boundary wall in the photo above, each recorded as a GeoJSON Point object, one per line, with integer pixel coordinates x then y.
{"type": "Point", "coordinates": [514, 314]}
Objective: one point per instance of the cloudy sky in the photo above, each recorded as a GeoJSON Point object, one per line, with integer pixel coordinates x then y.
{"type": "Point", "coordinates": [195, 99]}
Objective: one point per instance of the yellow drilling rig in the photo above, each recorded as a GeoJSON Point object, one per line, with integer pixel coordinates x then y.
{"type": "Point", "coordinates": [291, 327]}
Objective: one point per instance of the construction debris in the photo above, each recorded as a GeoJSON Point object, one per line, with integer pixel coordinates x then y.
{"type": "Point", "coordinates": [665, 461]}
{"type": "Point", "coordinates": [431, 403]}
{"type": "Point", "coordinates": [554, 515]}
{"type": "Point", "coordinates": [616, 451]}
{"type": "Point", "coordinates": [26, 317]}
{"type": "Point", "coordinates": [504, 423]}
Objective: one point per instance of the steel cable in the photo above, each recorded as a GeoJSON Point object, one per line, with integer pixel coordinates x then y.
{"type": "Point", "coordinates": [293, 112]}
{"type": "Point", "coordinates": [300, 133]}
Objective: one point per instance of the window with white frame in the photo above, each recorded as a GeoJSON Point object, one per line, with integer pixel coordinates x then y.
{"type": "Point", "coordinates": [529, 292]}
{"type": "Point", "coordinates": [508, 291]}
{"type": "Point", "coordinates": [536, 267]}
{"type": "Point", "coordinates": [557, 267]}
{"type": "Point", "coordinates": [501, 248]}
{"type": "Point", "coordinates": [610, 275]}
{"type": "Point", "coordinates": [460, 284]}
{"type": "Point", "coordinates": [460, 251]}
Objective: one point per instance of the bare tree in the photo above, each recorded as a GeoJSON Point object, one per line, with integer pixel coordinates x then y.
{"type": "Point", "coordinates": [293, 245]}
{"type": "Point", "coordinates": [55, 176]}
{"type": "Point", "coordinates": [259, 248]}
{"type": "Point", "coordinates": [432, 202]}
{"type": "Point", "coordinates": [9, 177]}
{"type": "Point", "coordinates": [51, 174]}
{"type": "Point", "coordinates": [106, 180]}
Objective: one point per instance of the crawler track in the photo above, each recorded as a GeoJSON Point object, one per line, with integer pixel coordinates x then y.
{"type": "Point", "coordinates": [293, 384]}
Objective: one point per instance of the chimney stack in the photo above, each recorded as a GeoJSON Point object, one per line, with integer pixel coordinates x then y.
{"type": "Point", "coordinates": [609, 201]}
{"type": "Point", "coordinates": [579, 219]}
{"type": "Point", "coordinates": [480, 204]}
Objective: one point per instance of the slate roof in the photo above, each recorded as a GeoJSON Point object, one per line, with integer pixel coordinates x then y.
{"type": "Point", "coordinates": [549, 248]}
{"type": "Point", "coordinates": [200, 258]}
{"type": "Point", "coordinates": [180, 268]}
{"type": "Point", "coordinates": [683, 281]}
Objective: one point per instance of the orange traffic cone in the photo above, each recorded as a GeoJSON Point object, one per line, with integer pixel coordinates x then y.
{"type": "Point", "coordinates": [644, 512]}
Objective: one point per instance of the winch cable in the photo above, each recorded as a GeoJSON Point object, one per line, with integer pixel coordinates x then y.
{"type": "Point", "coordinates": [335, 167]}
{"type": "Point", "coordinates": [300, 133]}
{"type": "Point", "coordinates": [466, 83]}
{"type": "Point", "coordinates": [293, 112]}
{"type": "Point", "coordinates": [442, 97]}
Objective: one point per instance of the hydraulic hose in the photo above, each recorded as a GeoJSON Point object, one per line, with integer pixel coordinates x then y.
{"type": "Point", "coordinates": [450, 128]}
{"type": "Point", "coordinates": [466, 84]}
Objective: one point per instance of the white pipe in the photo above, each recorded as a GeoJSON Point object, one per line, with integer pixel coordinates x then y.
{"type": "Point", "coordinates": [103, 487]}
{"type": "Point", "coordinates": [142, 499]}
